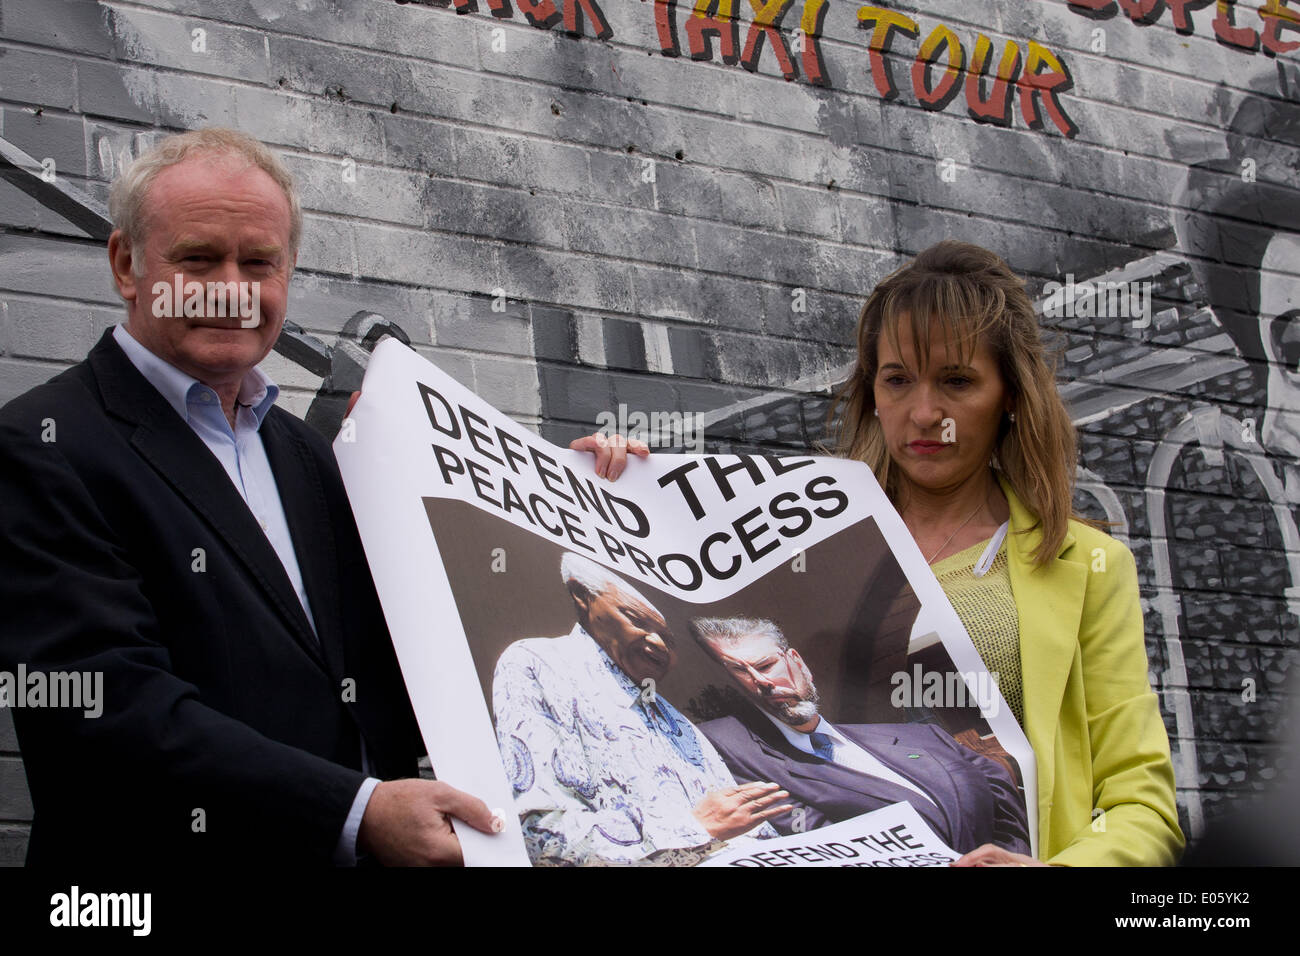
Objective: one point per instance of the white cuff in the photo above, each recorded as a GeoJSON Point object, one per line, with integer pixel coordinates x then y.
{"type": "Point", "coordinates": [345, 854]}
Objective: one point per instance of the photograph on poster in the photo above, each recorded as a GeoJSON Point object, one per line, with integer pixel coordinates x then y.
{"type": "Point", "coordinates": [634, 724]}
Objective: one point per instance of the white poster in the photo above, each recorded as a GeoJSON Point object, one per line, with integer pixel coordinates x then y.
{"type": "Point", "coordinates": [709, 656]}
{"type": "Point", "coordinates": [894, 836]}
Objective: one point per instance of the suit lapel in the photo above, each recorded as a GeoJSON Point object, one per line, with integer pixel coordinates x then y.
{"type": "Point", "coordinates": [294, 468]}
{"type": "Point", "coordinates": [170, 446]}
{"type": "Point", "coordinates": [854, 782]}
{"type": "Point", "coordinates": [1049, 637]}
{"type": "Point", "coordinates": [917, 765]}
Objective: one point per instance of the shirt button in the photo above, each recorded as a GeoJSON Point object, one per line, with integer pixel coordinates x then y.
{"type": "Point", "coordinates": [262, 522]}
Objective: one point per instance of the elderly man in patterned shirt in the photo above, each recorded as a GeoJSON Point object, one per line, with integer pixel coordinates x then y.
{"type": "Point", "coordinates": [604, 769]}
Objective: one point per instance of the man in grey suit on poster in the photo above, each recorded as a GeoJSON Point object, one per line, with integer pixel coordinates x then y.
{"type": "Point", "coordinates": [836, 772]}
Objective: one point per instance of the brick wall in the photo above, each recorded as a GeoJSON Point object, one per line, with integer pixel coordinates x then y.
{"type": "Point", "coordinates": [566, 222]}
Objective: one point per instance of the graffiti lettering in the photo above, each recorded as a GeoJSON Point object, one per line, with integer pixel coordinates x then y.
{"type": "Point", "coordinates": [498, 8]}
{"type": "Point", "coordinates": [1042, 81]}
{"type": "Point", "coordinates": [810, 24]}
{"type": "Point", "coordinates": [936, 98]}
{"type": "Point", "coordinates": [1141, 12]}
{"type": "Point", "coordinates": [544, 14]}
{"type": "Point", "coordinates": [717, 18]}
{"type": "Point", "coordinates": [1276, 14]}
{"type": "Point", "coordinates": [1044, 78]}
{"type": "Point", "coordinates": [713, 18]}
{"type": "Point", "coordinates": [940, 68]}
{"type": "Point", "coordinates": [1227, 31]}
{"type": "Point", "coordinates": [767, 23]}
{"type": "Point", "coordinates": [666, 27]}
{"type": "Point", "coordinates": [1093, 9]}
{"type": "Point", "coordinates": [1182, 10]}
{"type": "Point", "coordinates": [886, 24]}
{"type": "Point", "coordinates": [996, 106]}
{"type": "Point", "coordinates": [576, 12]}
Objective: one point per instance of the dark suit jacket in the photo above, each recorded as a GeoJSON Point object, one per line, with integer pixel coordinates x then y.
{"type": "Point", "coordinates": [127, 550]}
{"type": "Point", "coordinates": [975, 801]}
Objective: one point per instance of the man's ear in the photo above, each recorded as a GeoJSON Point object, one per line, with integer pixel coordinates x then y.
{"type": "Point", "coordinates": [120, 259]}
{"type": "Point", "coordinates": [581, 597]}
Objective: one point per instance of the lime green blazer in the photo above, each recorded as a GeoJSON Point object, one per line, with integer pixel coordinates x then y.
{"type": "Point", "coordinates": [1090, 713]}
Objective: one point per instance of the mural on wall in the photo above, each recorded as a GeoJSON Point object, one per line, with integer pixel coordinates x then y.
{"type": "Point", "coordinates": [1039, 77]}
{"type": "Point", "coordinates": [941, 67]}
{"type": "Point", "coordinates": [1181, 359]}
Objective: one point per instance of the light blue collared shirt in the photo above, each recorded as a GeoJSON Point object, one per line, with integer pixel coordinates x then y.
{"type": "Point", "coordinates": [243, 456]}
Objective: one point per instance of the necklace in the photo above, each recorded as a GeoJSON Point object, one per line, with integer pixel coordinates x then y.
{"type": "Point", "coordinates": [930, 559]}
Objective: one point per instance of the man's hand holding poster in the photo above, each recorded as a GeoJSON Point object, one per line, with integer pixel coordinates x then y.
{"type": "Point", "coordinates": [712, 656]}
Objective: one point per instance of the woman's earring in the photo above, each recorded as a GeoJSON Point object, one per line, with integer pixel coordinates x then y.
{"type": "Point", "coordinates": [1011, 416]}
{"type": "Point", "coordinates": [876, 412]}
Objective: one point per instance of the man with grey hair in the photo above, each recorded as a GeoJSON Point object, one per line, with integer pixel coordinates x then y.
{"type": "Point", "coordinates": [604, 769]}
{"type": "Point", "coordinates": [834, 772]}
{"type": "Point", "coordinates": [167, 526]}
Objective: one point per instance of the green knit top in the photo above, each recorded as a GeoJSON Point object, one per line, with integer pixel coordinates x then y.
{"type": "Point", "coordinates": [987, 608]}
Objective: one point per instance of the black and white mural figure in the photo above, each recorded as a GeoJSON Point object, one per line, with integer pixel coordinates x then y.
{"type": "Point", "coordinates": [1241, 230]}
{"type": "Point", "coordinates": [1279, 304]}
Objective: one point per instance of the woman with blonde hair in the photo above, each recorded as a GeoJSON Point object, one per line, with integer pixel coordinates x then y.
{"type": "Point", "coordinates": [954, 407]}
